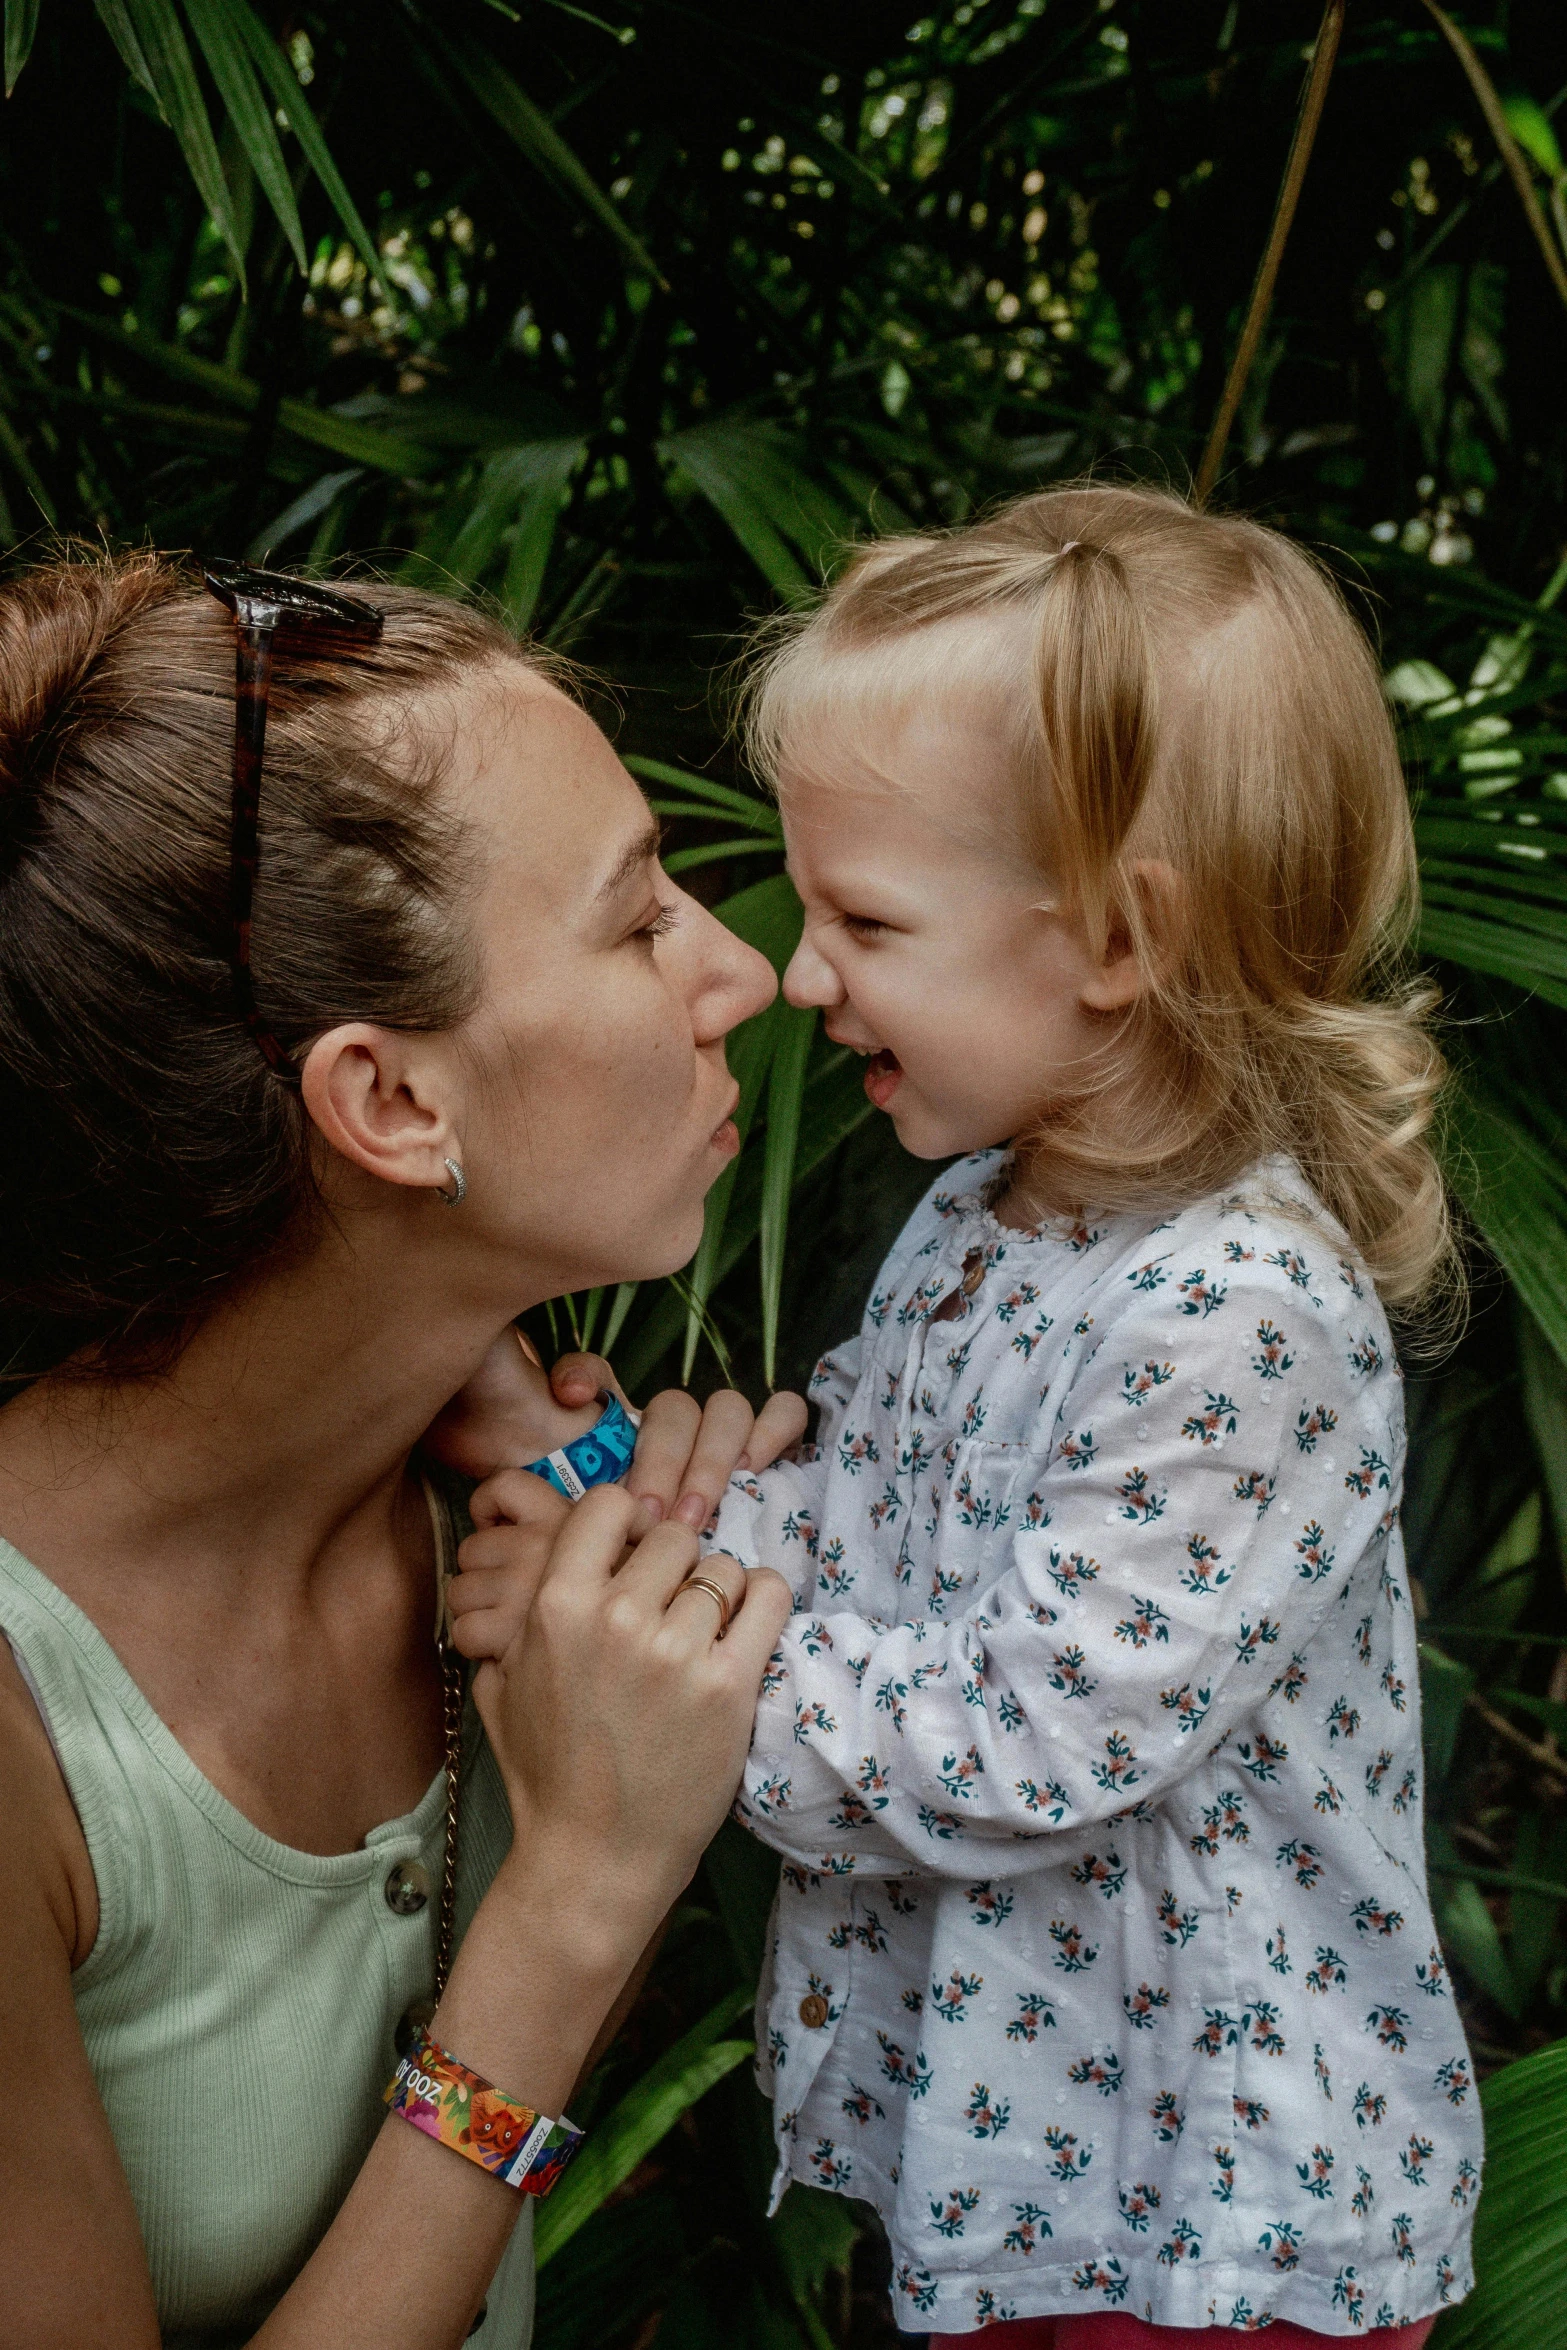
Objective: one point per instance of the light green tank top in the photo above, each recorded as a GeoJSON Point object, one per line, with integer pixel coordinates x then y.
{"type": "Point", "coordinates": [239, 2004]}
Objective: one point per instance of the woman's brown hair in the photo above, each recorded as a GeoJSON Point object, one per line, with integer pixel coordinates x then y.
{"type": "Point", "coordinates": [150, 1155]}
{"type": "Point", "coordinates": [1183, 695]}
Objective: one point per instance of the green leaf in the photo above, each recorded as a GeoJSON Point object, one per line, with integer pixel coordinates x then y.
{"type": "Point", "coordinates": [215, 25]}
{"type": "Point", "coordinates": [620, 1306]}
{"type": "Point", "coordinates": [309, 506]}
{"type": "Point", "coordinates": [534, 135]}
{"type": "Point", "coordinates": [1545, 1407]}
{"type": "Point", "coordinates": [167, 67]}
{"type": "Point", "coordinates": [1531, 127]}
{"type": "Point", "coordinates": [1515, 1880]}
{"type": "Point", "coordinates": [537, 517]}
{"type": "Point", "coordinates": [170, 359]}
{"type": "Point", "coordinates": [754, 477]}
{"type": "Point", "coordinates": [1540, 1851]}
{"type": "Point", "coordinates": [1502, 950]}
{"type": "Point", "coordinates": [276, 70]}
{"type": "Point", "coordinates": [1418, 684]}
{"type": "Point", "coordinates": [610, 2273]}
{"type": "Point", "coordinates": [1520, 2237]}
{"type": "Point", "coordinates": [785, 1096]}
{"type": "Point", "coordinates": [1514, 1191]}
{"type": "Point", "coordinates": [13, 446]}
{"type": "Point", "coordinates": [113, 15]}
{"type": "Point", "coordinates": [519, 488]}
{"type": "Point", "coordinates": [743, 1876]}
{"type": "Point", "coordinates": [720, 798]}
{"type": "Point", "coordinates": [749, 1051]}
{"type": "Point", "coordinates": [347, 437]}
{"type": "Point", "coordinates": [714, 851]}
{"type": "Point", "coordinates": [815, 2234]}
{"type": "Point", "coordinates": [647, 2111]}
{"type": "Point", "coordinates": [21, 23]}
{"type": "Point", "coordinates": [835, 1105]}
{"type": "Point", "coordinates": [768, 917]}
{"type": "Point", "coordinates": [1444, 1685]}
{"type": "Point", "coordinates": [1467, 1928]}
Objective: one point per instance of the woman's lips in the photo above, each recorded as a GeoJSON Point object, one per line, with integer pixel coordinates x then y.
{"type": "Point", "coordinates": [883, 1076]}
{"type": "Point", "coordinates": [726, 1138]}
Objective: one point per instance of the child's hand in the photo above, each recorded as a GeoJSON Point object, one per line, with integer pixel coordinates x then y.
{"type": "Point", "coordinates": [512, 1411]}
{"type": "Point", "coordinates": [516, 1519]}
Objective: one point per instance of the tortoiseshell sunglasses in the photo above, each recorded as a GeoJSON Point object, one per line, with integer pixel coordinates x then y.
{"type": "Point", "coordinates": [263, 602]}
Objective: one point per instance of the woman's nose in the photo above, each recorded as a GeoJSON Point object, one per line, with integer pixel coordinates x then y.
{"type": "Point", "coordinates": [738, 983]}
{"type": "Point", "coordinates": [810, 982]}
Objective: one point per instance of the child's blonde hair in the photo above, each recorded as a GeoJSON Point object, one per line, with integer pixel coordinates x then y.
{"type": "Point", "coordinates": [1186, 694]}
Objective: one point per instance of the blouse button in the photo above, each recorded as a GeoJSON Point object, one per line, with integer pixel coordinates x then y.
{"type": "Point", "coordinates": [407, 1888]}
{"type": "Point", "coordinates": [813, 2011]}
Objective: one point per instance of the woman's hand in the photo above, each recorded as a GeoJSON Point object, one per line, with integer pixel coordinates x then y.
{"type": "Point", "coordinates": [620, 1721]}
{"type": "Point", "coordinates": [511, 1412]}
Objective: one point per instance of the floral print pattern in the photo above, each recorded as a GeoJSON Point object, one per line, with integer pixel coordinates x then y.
{"type": "Point", "coordinates": [1103, 1963]}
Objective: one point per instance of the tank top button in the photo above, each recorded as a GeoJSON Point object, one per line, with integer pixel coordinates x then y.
{"type": "Point", "coordinates": [813, 2010]}
{"type": "Point", "coordinates": [407, 1888]}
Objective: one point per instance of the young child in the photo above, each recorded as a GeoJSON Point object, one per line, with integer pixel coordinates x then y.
{"type": "Point", "coordinates": [1103, 1964]}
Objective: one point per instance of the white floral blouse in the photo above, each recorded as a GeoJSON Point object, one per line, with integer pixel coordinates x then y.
{"type": "Point", "coordinates": [1103, 1964]}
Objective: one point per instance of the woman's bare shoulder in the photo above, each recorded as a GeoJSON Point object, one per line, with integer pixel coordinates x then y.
{"type": "Point", "coordinates": [43, 1833]}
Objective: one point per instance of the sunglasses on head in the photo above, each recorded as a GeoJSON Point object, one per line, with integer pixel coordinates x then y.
{"type": "Point", "coordinates": [263, 602]}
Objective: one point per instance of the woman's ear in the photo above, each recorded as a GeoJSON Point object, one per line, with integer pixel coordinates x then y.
{"type": "Point", "coordinates": [1124, 973]}
{"type": "Point", "coordinates": [378, 1097]}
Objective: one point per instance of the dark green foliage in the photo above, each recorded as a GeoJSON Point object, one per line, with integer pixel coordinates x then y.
{"type": "Point", "coordinates": [628, 317]}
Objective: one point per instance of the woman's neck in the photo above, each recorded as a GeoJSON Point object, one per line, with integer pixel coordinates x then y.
{"type": "Point", "coordinates": [281, 1434]}
{"type": "Point", "coordinates": [244, 1532]}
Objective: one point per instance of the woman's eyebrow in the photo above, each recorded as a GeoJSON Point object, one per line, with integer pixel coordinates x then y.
{"type": "Point", "coordinates": [633, 856]}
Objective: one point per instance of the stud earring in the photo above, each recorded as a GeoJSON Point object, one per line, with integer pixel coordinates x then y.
{"type": "Point", "coordinates": [459, 1191]}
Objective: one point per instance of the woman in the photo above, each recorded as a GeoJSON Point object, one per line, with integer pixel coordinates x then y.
{"type": "Point", "coordinates": [261, 1224]}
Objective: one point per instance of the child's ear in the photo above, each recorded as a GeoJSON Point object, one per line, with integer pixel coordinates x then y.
{"type": "Point", "coordinates": [1123, 973]}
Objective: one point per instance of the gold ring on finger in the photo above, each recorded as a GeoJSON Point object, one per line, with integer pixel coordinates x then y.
{"type": "Point", "coordinates": [714, 1590]}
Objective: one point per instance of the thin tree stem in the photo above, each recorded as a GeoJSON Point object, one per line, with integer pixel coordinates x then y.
{"type": "Point", "coordinates": [1322, 56]}
{"type": "Point", "coordinates": [1491, 107]}
{"type": "Point", "coordinates": [1544, 1758]}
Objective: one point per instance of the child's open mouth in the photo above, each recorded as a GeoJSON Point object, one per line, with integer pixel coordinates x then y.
{"type": "Point", "coordinates": [883, 1076]}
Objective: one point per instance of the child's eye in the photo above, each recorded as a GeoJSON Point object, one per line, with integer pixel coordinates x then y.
{"type": "Point", "coordinates": [862, 925]}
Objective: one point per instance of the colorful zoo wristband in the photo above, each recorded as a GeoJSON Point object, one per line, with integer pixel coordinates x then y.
{"type": "Point", "coordinates": [598, 1458]}
{"type": "Point", "coordinates": [460, 2109]}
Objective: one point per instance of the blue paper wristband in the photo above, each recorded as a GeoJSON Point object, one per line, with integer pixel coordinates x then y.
{"type": "Point", "coordinates": [598, 1458]}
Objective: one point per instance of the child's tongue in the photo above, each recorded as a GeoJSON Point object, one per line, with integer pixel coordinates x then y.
{"type": "Point", "coordinates": [883, 1076]}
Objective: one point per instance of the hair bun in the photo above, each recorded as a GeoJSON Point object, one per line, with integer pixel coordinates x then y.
{"type": "Point", "coordinates": [55, 622]}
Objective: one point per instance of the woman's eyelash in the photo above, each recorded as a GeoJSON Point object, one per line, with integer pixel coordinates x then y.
{"type": "Point", "coordinates": [662, 922]}
{"type": "Point", "coordinates": [862, 925]}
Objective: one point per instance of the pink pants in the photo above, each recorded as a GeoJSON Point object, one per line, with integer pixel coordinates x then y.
{"type": "Point", "coordinates": [1114, 2332]}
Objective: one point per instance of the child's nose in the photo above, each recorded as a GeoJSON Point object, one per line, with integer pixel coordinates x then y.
{"type": "Point", "coordinates": [810, 982]}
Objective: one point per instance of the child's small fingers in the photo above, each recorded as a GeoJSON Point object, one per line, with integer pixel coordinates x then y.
{"type": "Point", "coordinates": [487, 1632]}
{"type": "Point", "coordinates": [519, 1550]}
{"type": "Point", "coordinates": [480, 1586]}
{"type": "Point", "coordinates": [577, 1378]}
{"type": "Point", "coordinates": [515, 1497]}
{"type": "Point", "coordinates": [721, 1440]}
{"type": "Point", "coordinates": [780, 1423]}
{"type": "Point", "coordinates": [664, 1445]}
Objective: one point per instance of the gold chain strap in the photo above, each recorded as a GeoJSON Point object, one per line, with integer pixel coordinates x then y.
{"type": "Point", "coordinates": [451, 1700]}
{"type": "Point", "coordinates": [451, 1727]}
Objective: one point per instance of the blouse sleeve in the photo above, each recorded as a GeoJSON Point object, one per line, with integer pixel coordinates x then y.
{"type": "Point", "coordinates": [1188, 1521]}
{"type": "Point", "coordinates": [772, 1517]}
